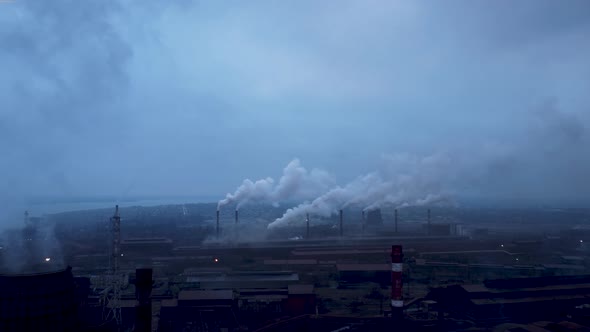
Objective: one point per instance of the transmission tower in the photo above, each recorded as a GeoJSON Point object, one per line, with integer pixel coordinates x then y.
{"type": "Point", "coordinates": [113, 293]}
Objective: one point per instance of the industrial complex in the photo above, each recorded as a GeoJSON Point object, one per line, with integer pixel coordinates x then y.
{"type": "Point", "coordinates": [195, 268]}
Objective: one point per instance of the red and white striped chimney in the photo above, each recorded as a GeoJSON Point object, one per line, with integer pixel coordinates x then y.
{"type": "Point", "coordinates": [397, 256]}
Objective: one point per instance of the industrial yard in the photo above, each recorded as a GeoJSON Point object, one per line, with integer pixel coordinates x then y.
{"type": "Point", "coordinates": [193, 269]}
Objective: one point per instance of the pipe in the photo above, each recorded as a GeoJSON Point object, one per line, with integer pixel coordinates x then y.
{"type": "Point", "coordinates": [341, 223]}
{"type": "Point", "coordinates": [397, 302]}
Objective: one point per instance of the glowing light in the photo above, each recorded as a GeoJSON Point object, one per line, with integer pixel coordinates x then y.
{"type": "Point", "coordinates": [216, 260]}
{"type": "Point", "coordinates": [502, 245]}
{"type": "Point", "coordinates": [121, 255]}
{"type": "Point", "coordinates": [581, 241]}
{"type": "Point", "coordinates": [47, 259]}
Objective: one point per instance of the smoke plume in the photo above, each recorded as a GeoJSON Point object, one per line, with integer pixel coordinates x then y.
{"type": "Point", "coordinates": [296, 183]}
{"type": "Point", "coordinates": [547, 164]}
{"type": "Point", "coordinates": [403, 180]}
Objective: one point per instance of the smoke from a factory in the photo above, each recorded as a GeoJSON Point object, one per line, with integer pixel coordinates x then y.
{"type": "Point", "coordinates": [296, 183]}
{"type": "Point", "coordinates": [517, 170]}
{"type": "Point", "coordinates": [402, 181]}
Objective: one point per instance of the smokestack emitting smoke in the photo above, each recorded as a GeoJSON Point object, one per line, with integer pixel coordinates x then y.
{"type": "Point", "coordinates": [363, 221]}
{"type": "Point", "coordinates": [217, 225]}
{"type": "Point", "coordinates": [341, 223]}
{"type": "Point", "coordinates": [296, 183]}
{"type": "Point", "coordinates": [428, 226]}
{"type": "Point", "coordinates": [404, 181]}
{"type": "Point", "coordinates": [395, 219]}
{"type": "Point", "coordinates": [307, 226]}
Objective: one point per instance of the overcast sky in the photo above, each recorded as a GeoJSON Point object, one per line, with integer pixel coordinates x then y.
{"type": "Point", "coordinates": [113, 97]}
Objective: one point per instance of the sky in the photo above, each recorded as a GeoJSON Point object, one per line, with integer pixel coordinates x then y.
{"type": "Point", "coordinates": [160, 98]}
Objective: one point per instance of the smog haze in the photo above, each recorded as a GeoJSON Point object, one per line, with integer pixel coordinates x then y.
{"type": "Point", "coordinates": [189, 98]}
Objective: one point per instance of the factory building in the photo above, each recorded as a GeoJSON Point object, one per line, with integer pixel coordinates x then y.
{"type": "Point", "coordinates": [147, 246]}
{"type": "Point", "coordinates": [520, 299]}
{"type": "Point", "coordinates": [444, 229]}
{"type": "Point", "coordinates": [38, 302]}
{"type": "Point", "coordinates": [359, 273]}
{"type": "Point", "coordinates": [201, 310]}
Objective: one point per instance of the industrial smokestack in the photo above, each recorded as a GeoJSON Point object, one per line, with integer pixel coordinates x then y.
{"type": "Point", "coordinates": [363, 222]}
{"type": "Point", "coordinates": [236, 217]}
{"type": "Point", "coordinates": [217, 225]}
{"type": "Point", "coordinates": [307, 226]}
{"type": "Point", "coordinates": [428, 226]}
{"type": "Point", "coordinates": [395, 218]}
{"type": "Point", "coordinates": [143, 291]}
{"type": "Point", "coordinates": [341, 222]}
{"type": "Point", "coordinates": [397, 302]}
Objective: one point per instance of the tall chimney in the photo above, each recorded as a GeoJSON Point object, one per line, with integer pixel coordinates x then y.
{"type": "Point", "coordinates": [236, 233]}
{"type": "Point", "coordinates": [217, 225]}
{"type": "Point", "coordinates": [363, 222]}
{"type": "Point", "coordinates": [428, 227]}
{"type": "Point", "coordinates": [397, 302]}
{"type": "Point", "coordinates": [395, 218]}
{"type": "Point", "coordinates": [341, 222]}
{"type": "Point", "coordinates": [143, 291]}
{"type": "Point", "coordinates": [307, 226]}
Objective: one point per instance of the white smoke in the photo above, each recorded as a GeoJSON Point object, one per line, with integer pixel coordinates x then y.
{"type": "Point", "coordinates": [403, 180]}
{"type": "Point", "coordinates": [296, 183]}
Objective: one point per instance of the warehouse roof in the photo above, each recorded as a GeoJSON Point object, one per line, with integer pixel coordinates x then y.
{"type": "Point", "coordinates": [290, 262]}
{"type": "Point", "coordinates": [205, 295]}
{"type": "Point", "coordinates": [363, 267]}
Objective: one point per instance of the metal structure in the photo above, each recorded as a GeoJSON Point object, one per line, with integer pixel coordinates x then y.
{"type": "Point", "coordinates": [397, 302]}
